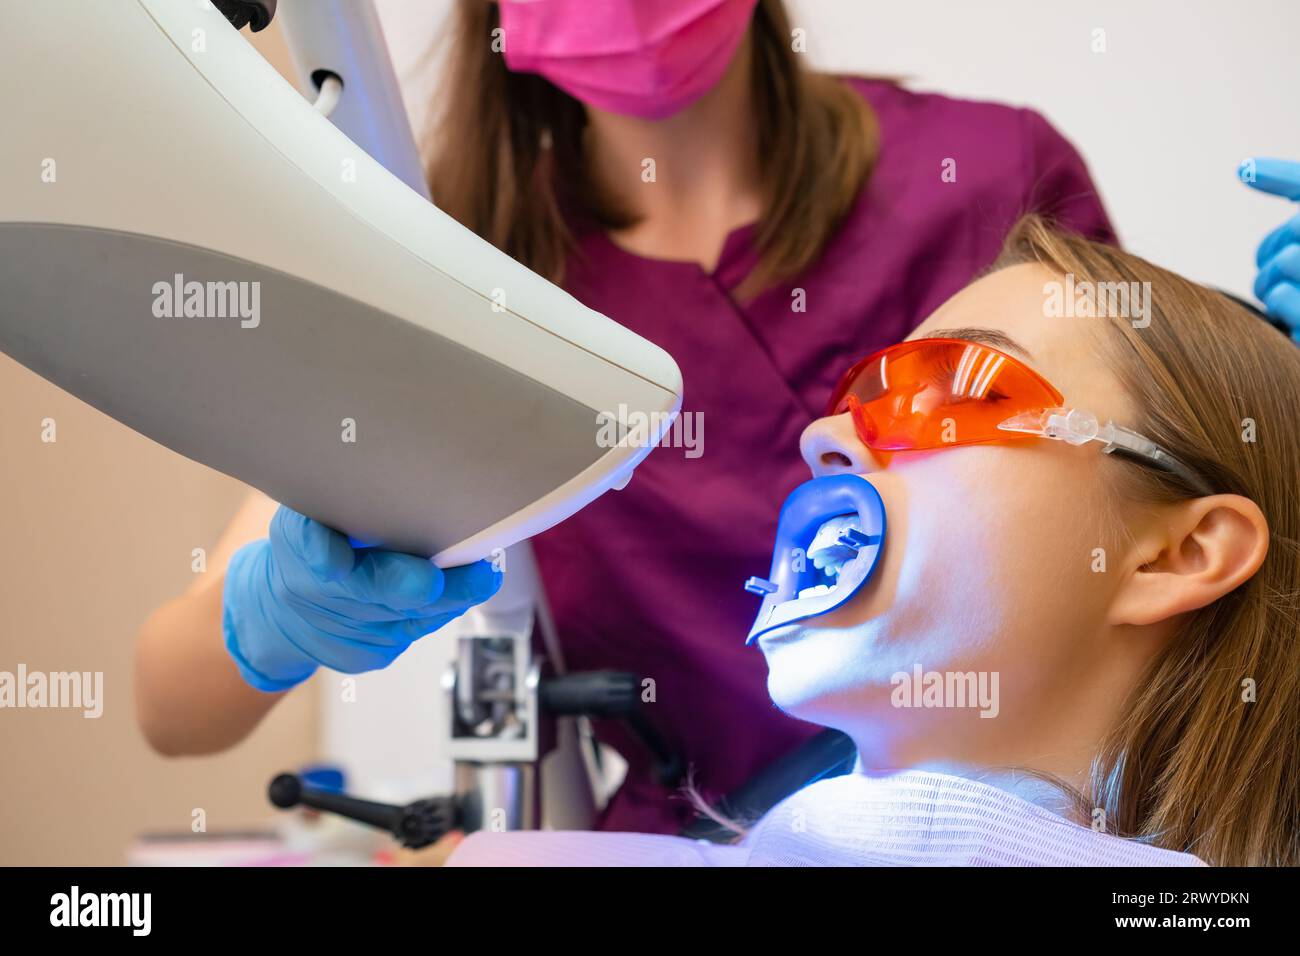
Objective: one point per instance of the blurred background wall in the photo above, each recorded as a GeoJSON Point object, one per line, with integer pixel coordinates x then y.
{"type": "Point", "coordinates": [100, 525]}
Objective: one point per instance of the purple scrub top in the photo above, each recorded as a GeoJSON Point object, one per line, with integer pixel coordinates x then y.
{"type": "Point", "coordinates": [649, 579]}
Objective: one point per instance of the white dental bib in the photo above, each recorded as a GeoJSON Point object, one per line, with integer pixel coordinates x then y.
{"type": "Point", "coordinates": [911, 818]}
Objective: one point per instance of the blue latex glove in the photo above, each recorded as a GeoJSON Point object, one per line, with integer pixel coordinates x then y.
{"type": "Point", "coordinates": [1278, 257]}
{"type": "Point", "coordinates": [304, 597]}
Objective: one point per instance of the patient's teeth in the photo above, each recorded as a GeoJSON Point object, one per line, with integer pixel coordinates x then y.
{"type": "Point", "coordinates": [815, 591]}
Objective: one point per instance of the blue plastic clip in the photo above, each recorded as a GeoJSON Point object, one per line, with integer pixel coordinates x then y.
{"type": "Point", "coordinates": [856, 538]}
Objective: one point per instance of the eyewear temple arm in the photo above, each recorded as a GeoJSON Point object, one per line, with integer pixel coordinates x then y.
{"type": "Point", "coordinates": [1077, 427]}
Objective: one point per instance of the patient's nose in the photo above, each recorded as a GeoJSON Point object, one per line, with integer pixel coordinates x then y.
{"type": "Point", "coordinates": [831, 446]}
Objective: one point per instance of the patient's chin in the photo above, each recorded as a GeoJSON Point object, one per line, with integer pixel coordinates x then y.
{"type": "Point", "coordinates": [814, 703]}
{"type": "Point", "coordinates": [787, 695]}
{"type": "Point", "coordinates": [836, 677]}
{"type": "Point", "coordinates": [809, 686]}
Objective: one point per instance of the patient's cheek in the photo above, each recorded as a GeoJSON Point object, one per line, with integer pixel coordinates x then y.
{"type": "Point", "coordinates": [943, 551]}
{"type": "Point", "coordinates": [950, 569]}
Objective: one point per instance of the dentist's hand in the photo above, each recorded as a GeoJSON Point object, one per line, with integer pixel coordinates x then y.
{"type": "Point", "coordinates": [1278, 258]}
{"type": "Point", "coordinates": [303, 597]}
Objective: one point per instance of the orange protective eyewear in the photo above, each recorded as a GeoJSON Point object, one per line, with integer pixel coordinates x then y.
{"type": "Point", "coordinates": [935, 393]}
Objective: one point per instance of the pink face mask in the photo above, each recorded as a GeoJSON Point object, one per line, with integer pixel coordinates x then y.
{"type": "Point", "coordinates": [646, 58]}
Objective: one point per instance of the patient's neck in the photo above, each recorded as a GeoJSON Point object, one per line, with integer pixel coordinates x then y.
{"type": "Point", "coordinates": [1040, 745]}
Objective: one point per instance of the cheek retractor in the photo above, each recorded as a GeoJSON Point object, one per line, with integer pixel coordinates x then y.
{"type": "Point", "coordinates": [828, 543]}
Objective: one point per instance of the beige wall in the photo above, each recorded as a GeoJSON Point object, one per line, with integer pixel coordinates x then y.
{"type": "Point", "coordinates": [98, 528]}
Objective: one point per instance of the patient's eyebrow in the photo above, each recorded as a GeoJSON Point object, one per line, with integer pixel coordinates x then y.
{"type": "Point", "coordinates": [999, 340]}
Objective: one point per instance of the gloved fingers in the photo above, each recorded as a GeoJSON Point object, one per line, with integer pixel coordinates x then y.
{"type": "Point", "coordinates": [387, 587]}
{"type": "Point", "coordinates": [332, 618]}
{"type": "Point", "coordinates": [319, 567]}
{"type": "Point", "coordinates": [1282, 267]}
{"type": "Point", "coordinates": [334, 611]}
{"type": "Point", "coordinates": [400, 582]}
{"type": "Point", "coordinates": [417, 627]}
{"type": "Point", "coordinates": [1283, 301]}
{"type": "Point", "coordinates": [349, 655]}
{"type": "Point", "coordinates": [1287, 234]}
{"type": "Point", "coordinates": [254, 637]}
{"type": "Point", "coordinates": [1279, 177]}
{"type": "Point", "coordinates": [298, 588]}
{"type": "Point", "coordinates": [299, 541]}
{"type": "Point", "coordinates": [282, 614]}
{"type": "Point", "coordinates": [468, 585]}
{"type": "Point", "coordinates": [343, 646]}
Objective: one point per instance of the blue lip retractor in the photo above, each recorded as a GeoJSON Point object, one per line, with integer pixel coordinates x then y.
{"type": "Point", "coordinates": [808, 507]}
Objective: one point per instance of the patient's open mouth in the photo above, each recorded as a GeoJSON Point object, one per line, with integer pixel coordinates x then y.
{"type": "Point", "coordinates": [831, 548]}
{"type": "Point", "coordinates": [827, 543]}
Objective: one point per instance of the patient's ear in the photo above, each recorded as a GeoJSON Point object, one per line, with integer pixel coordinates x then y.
{"type": "Point", "coordinates": [1190, 555]}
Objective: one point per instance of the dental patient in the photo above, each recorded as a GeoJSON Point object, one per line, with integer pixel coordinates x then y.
{"type": "Point", "coordinates": [1046, 577]}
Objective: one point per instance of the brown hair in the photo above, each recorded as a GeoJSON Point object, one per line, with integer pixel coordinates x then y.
{"type": "Point", "coordinates": [1192, 765]}
{"type": "Point", "coordinates": [505, 157]}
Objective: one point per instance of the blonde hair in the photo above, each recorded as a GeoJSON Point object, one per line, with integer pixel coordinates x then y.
{"type": "Point", "coordinates": [1193, 765]}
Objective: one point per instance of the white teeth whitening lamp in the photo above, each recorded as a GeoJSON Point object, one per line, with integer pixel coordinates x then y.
{"type": "Point", "coordinates": [188, 245]}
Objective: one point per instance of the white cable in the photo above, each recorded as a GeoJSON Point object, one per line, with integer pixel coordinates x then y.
{"type": "Point", "coordinates": [331, 89]}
